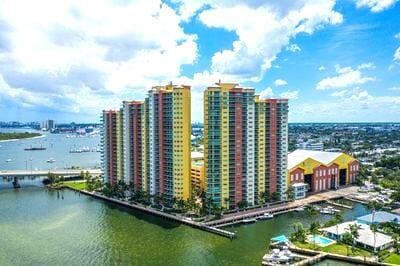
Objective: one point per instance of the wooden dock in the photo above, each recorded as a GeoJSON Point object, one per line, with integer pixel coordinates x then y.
{"type": "Point", "coordinates": [339, 204]}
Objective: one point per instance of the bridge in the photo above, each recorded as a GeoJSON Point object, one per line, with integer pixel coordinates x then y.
{"type": "Point", "coordinates": [42, 173]}
{"type": "Point", "coordinates": [15, 175]}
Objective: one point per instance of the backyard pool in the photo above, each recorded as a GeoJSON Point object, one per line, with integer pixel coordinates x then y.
{"type": "Point", "coordinates": [320, 240]}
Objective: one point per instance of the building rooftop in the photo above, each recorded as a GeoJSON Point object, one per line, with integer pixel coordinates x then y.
{"type": "Point", "coordinates": [324, 157]}
{"type": "Point", "coordinates": [196, 155]}
{"type": "Point", "coordinates": [379, 217]}
{"type": "Point", "coordinates": [366, 236]}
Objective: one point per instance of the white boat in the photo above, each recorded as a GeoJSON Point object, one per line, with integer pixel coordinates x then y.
{"type": "Point", "coordinates": [249, 220]}
{"type": "Point", "coordinates": [266, 216]}
{"type": "Point", "coordinates": [299, 209]}
{"type": "Point", "coordinates": [8, 160]}
{"type": "Point", "coordinates": [329, 210]}
{"type": "Point", "coordinates": [51, 160]}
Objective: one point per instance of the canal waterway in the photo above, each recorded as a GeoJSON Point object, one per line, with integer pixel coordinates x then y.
{"type": "Point", "coordinates": [38, 227]}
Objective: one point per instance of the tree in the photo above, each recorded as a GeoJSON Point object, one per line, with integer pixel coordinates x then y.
{"type": "Point", "coordinates": [242, 204]}
{"type": "Point", "coordinates": [299, 233]}
{"type": "Point", "coordinates": [274, 196]}
{"type": "Point", "coordinates": [354, 231]}
{"type": "Point", "coordinates": [290, 193]}
{"type": "Point", "coordinates": [311, 210]}
{"type": "Point", "coordinates": [396, 240]}
{"type": "Point", "coordinates": [314, 230]}
{"type": "Point", "coordinates": [374, 206]}
{"type": "Point", "coordinates": [338, 218]}
{"type": "Point", "coordinates": [348, 239]}
{"type": "Point", "coordinates": [374, 229]}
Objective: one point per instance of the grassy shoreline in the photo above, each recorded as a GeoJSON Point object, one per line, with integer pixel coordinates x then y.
{"type": "Point", "coordinates": [18, 136]}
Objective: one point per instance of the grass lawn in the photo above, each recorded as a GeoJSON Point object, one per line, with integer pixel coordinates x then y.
{"type": "Point", "coordinates": [80, 185]}
{"type": "Point", "coordinates": [336, 248]}
{"type": "Point", "coordinates": [393, 259]}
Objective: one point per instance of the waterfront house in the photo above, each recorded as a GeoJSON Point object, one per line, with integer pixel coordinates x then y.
{"type": "Point", "coordinates": [379, 217]}
{"type": "Point", "coordinates": [366, 238]}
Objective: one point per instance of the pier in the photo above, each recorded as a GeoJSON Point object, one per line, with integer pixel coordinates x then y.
{"type": "Point", "coordinates": [41, 173]}
{"type": "Point", "coordinates": [339, 204]}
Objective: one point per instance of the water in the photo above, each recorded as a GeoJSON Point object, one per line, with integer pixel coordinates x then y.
{"type": "Point", "coordinates": [39, 228]}
{"type": "Point", "coordinates": [57, 147]}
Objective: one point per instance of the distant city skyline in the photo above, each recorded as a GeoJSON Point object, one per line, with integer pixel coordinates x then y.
{"type": "Point", "coordinates": [336, 61]}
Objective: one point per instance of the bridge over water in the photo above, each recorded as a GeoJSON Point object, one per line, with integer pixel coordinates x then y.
{"type": "Point", "coordinates": [15, 175]}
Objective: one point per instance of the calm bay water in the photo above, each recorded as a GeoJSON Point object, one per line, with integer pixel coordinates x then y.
{"type": "Point", "coordinates": [39, 228]}
{"type": "Point", "coordinates": [57, 147]}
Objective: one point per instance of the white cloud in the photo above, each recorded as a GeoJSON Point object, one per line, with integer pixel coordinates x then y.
{"type": "Point", "coordinates": [345, 77]}
{"type": "Point", "coordinates": [321, 68]}
{"type": "Point", "coordinates": [396, 55]}
{"type": "Point", "coordinates": [375, 5]}
{"type": "Point", "coordinates": [92, 57]}
{"type": "Point", "coordinates": [394, 89]}
{"type": "Point", "coordinates": [267, 93]}
{"type": "Point", "coordinates": [280, 82]}
{"type": "Point", "coordinates": [293, 48]}
{"type": "Point", "coordinates": [397, 36]}
{"type": "Point", "coordinates": [257, 46]}
{"type": "Point", "coordinates": [358, 105]}
{"type": "Point", "coordinates": [291, 95]}
{"type": "Point", "coordinates": [368, 65]}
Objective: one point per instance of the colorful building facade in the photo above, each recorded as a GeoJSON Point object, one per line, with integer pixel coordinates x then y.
{"type": "Point", "coordinates": [321, 170]}
{"type": "Point", "coordinates": [147, 144]}
{"type": "Point", "coordinates": [245, 144]}
{"type": "Point", "coordinates": [271, 142]}
{"type": "Point", "coordinates": [112, 146]}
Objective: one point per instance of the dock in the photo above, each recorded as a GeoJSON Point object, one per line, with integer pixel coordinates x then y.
{"type": "Point", "coordinates": [339, 204]}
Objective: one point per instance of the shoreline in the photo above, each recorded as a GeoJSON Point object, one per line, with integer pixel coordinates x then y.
{"type": "Point", "coordinates": [13, 140]}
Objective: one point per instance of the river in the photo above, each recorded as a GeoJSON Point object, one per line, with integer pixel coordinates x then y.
{"type": "Point", "coordinates": [37, 227]}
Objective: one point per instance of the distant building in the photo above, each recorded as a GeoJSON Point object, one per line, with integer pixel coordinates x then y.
{"type": "Point", "coordinates": [313, 146]}
{"type": "Point", "coordinates": [49, 125]}
{"type": "Point", "coordinates": [198, 180]}
{"type": "Point", "coordinates": [321, 170]}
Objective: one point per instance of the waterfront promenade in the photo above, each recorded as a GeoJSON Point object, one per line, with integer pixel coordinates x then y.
{"type": "Point", "coordinates": [237, 217]}
{"type": "Point", "coordinates": [231, 218]}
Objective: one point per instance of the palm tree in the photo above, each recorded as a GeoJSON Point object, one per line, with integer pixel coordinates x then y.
{"type": "Point", "coordinates": [354, 231]}
{"type": "Point", "coordinates": [374, 206]}
{"type": "Point", "coordinates": [348, 239]}
{"type": "Point", "coordinates": [338, 218]}
{"type": "Point", "coordinates": [314, 230]}
{"type": "Point", "coordinates": [311, 210]}
{"type": "Point", "coordinates": [374, 229]}
{"type": "Point", "coordinates": [396, 239]}
{"type": "Point", "coordinates": [299, 233]}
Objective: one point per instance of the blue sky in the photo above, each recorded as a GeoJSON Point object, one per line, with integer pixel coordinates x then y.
{"type": "Point", "coordinates": [336, 61]}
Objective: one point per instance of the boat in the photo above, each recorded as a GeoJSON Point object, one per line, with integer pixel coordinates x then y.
{"type": "Point", "coordinates": [8, 160]}
{"type": "Point", "coordinates": [329, 210]}
{"type": "Point", "coordinates": [299, 209]}
{"type": "Point", "coordinates": [249, 220]}
{"type": "Point", "coordinates": [51, 160]}
{"type": "Point", "coordinates": [277, 257]}
{"type": "Point", "coordinates": [41, 148]}
{"type": "Point", "coordinates": [75, 151]}
{"type": "Point", "coordinates": [266, 216]}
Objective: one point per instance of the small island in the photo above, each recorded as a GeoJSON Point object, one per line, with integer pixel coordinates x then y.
{"type": "Point", "coordinates": [18, 135]}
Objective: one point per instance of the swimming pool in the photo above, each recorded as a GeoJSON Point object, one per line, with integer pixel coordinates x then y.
{"type": "Point", "coordinates": [320, 240]}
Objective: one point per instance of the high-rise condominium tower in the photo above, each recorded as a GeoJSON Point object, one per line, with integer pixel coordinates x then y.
{"type": "Point", "coordinates": [245, 144]}
{"type": "Point", "coordinates": [150, 143]}
{"type": "Point", "coordinates": [112, 146]}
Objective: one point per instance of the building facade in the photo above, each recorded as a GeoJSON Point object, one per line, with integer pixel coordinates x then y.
{"type": "Point", "coordinates": [166, 142]}
{"type": "Point", "coordinates": [321, 170]}
{"type": "Point", "coordinates": [245, 145]}
{"type": "Point", "coordinates": [271, 141]}
{"type": "Point", "coordinates": [132, 143]}
{"type": "Point", "coordinates": [111, 154]}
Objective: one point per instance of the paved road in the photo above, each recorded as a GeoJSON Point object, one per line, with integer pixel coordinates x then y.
{"type": "Point", "coordinates": [64, 172]}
